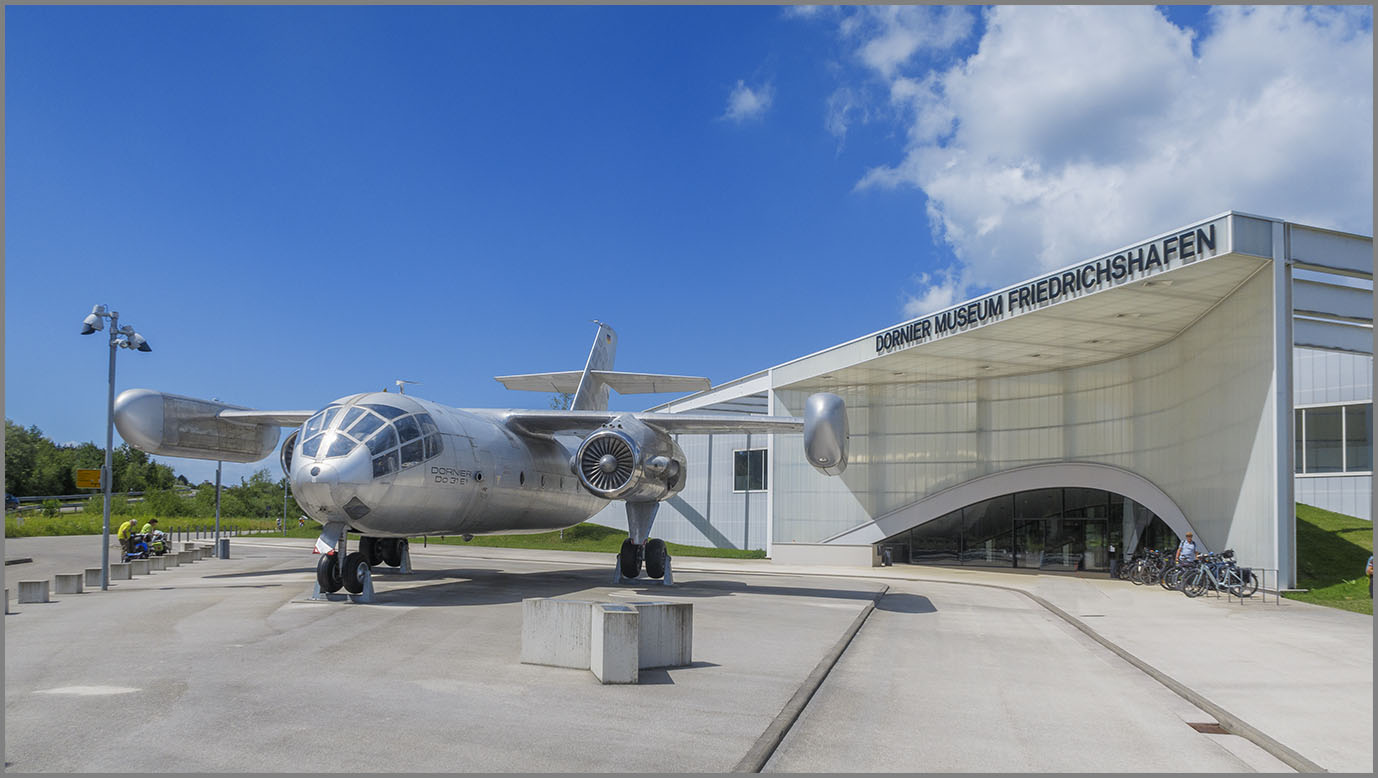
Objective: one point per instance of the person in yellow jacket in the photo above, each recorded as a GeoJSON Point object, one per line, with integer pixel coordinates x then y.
{"type": "Point", "coordinates": [125, 532]}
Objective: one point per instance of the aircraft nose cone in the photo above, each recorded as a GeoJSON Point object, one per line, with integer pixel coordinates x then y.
{"type": "Point", "coordinates": [607, 463]}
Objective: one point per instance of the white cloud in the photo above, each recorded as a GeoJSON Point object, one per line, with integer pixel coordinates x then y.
{"type": "Point", "coordinates": [1072, 130]}
{"type": "Point", "coordinates": [746, 103]}
{"type": "Point", "coordinates": [934, 295]}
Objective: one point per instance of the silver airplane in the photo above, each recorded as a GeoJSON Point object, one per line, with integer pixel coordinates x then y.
{"type": "Point", "coordinates": [390, 466]}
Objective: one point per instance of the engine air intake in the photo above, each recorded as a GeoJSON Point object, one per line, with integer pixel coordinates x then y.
{"type": "Point", "coordinates": [607, 460]}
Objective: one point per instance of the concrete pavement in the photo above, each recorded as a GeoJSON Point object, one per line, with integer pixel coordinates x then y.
{"type": "Point", "coordinates": [956, 669]}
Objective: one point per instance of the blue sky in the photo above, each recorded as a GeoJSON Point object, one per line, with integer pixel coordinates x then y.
{"type": "Point", "coordinates": [297, 203]}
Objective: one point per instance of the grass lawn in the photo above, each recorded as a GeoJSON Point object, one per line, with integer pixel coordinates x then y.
{"type": "Point", "coordinates": [582, 537]}
{"type": "Point", "coordinates": [1331, 551]}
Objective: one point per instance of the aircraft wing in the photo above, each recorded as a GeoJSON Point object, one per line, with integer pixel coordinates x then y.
{"type": "Point", "coordinates": [621, 382]}
{"type": "Point", "coordinates": [567, 381]}
{"type": "Point", "coordinates": [279, 418]}
{"type": "Point", "coordinates": [574, 422]}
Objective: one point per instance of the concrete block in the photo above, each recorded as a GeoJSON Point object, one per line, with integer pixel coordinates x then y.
{"type": "Point", "coordinates": [188, 546]}
{"type": "Point", "coordinates": [186, 557]}
{"type": "Point", "coordinates": [67, 583]}
{"type": "Point", "coordinates": [119, 571]}
{"type": "Point", "coordinates": [556, 632]}
{"type": "Point", "coordinates": [170, 559]}
{"type": "Point", "coordinates": [33, 591]}
{"type": "Point", "coordinates": [613, 644]}
{"type": "Point", "coordinates": [665, 633]}
{"type": "Point", "coordinates": [156, 563]}
{"type": "Point", "coordinates": [139, 567]}
{"type": "Point", "coordinates": [93, 576]}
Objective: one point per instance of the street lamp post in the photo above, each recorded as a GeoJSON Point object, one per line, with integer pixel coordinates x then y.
{"type": "Point", "coordinates": [120, 337]}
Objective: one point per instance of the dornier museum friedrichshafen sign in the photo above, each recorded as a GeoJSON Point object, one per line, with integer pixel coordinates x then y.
{"type": "Point", "coordinates": [1111, 270]}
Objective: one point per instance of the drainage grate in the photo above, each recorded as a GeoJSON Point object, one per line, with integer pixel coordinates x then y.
{"type": "Point", "coordinates": [1208, 727]}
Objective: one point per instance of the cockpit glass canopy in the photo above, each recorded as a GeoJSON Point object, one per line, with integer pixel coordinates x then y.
{"type": "Point", "coordinates": [395, 437]}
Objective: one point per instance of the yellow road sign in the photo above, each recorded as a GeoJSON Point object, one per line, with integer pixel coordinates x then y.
{"type": "Point", "coordinates": [88, 479]}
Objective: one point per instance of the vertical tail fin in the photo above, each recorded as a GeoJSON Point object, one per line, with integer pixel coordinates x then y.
{"type": "Point", "coordinates": [592, 394]}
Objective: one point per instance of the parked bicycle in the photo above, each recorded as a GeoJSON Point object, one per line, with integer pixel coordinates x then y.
{"type": "Point", "coordinates": [1221, 573]}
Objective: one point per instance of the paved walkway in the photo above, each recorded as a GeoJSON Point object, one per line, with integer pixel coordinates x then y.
{"type": "Point", "coordinates": [1294, 674]}
{"type": "Point", "coordinates": [1293, 677]}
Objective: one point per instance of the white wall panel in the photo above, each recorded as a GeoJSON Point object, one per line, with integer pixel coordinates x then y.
{"type": "Point", "coordinates": [1347, 494]}
{"type": "Point", "coordinates": [1331, 377]}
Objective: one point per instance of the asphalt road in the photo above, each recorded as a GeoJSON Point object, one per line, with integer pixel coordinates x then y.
{"type": "Point", "coordinates": [224, 666]}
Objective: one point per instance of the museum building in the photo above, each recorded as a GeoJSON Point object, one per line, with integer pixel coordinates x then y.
{"type": "Point", "coordinates": [1204, 379]}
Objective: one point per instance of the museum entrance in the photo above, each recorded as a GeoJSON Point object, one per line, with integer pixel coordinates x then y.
{"type": "Point", "coordinates": [1061, 529]}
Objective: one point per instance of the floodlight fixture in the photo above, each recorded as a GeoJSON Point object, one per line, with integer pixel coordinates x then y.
{"type": "Point", "coordinates": [120, 337]}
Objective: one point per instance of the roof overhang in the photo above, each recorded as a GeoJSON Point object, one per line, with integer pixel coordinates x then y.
{"type": "Point", "coordinates": [1122, 303]}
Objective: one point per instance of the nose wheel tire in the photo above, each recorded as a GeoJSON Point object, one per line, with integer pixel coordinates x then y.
{"type": "Point", "coordinates": [630, 558]}
{"type": "Point", "coordinates": [656, 558]}
{"type": "Point", "coordinates": [354, 569]}
{"type": "Point", "coordinates": [328, 573]}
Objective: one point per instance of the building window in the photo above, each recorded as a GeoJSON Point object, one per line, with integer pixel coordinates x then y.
{"type": "Point", "coordinates": [749, 470]}
{"type": "Point", "coordinates": [1334, 439]}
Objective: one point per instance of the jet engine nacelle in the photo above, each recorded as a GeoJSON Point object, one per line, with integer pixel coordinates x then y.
{"type": "Point", "coordinates": [825, 433]}
{"type": "Point", "coordinates": [627, 460]}
{"type": "Point", "coordinates": [177, 426]}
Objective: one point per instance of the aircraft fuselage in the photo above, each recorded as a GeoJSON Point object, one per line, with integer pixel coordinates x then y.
{"type": "Point", "coordinates": [440, 471]}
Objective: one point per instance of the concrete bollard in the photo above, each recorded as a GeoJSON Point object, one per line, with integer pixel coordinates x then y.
{"type": "Point", "coordinates": [170, 559]}
{"type": "Point", "coordinates": [138, 567]}
{"type": "Point", "coordinates": [67, 583]}
{"type": "Point", "coordinates": [188, 546]}
{"type": "Point", "coordinates": [186, 557]}
{"type": "Point", "coordinates": [606, 637]}
{"type": "Point", "coordinates": [119, 571]}
{"type": "Point", "coordinates": [665, 633]}
{"type": "Point", "coordinates": [93, 576]}
{"type": "Point", "coordinates": [156, 563]}
{"type": "Point", "coordinates": [614, 654]}
{"type": "Point", "coordinates": [556, 632]}
{"type": "Point", "coordinates": [33, 591]}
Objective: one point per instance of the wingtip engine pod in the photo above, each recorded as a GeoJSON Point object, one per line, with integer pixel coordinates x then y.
{"type": "Point", "coordinates": [825, 433]}
{"type": "Point", "coordinates": [173, 425]}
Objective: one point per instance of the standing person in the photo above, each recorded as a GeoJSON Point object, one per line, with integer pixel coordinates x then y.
{"type": "Point", "coordinates": [1370, 576]}
{"type": "Point", "coordinates": [126, 531]}
{"type": "Point", "coordinates": [1187, 551]}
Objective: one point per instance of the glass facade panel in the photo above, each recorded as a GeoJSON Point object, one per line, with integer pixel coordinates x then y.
{"type": "Point", "coordinates": [1323, 440]}
{"type": "Point", "coordinates": [749, 470]}
{"type": "Point", "coordinates": [1038, 504]}
{"type": "Point", "coordinates": [988, 533]}
{"type": "Point", "coordinates": [1067, 529]}
{"type": "Point", "coordinates": [1358, 437]}
{"type": "Point", "coordinates": [1299, 437]}
{"type": "Point", "coordinates": [938, 541]}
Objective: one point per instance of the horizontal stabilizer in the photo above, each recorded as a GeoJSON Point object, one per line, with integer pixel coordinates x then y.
{"type": "Point", "coordinates": [622, 383]}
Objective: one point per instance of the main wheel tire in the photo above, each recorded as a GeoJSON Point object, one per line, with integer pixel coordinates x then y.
{"type": "Point", "coordinates": [656, 558]}
{"type": "Point", "coordinates": [1196, 585]}
{"type": "Point", "coordinates": [328, 574]}
{"type": "Point", "coordinates": [630, 559]}
{"type": "Point", "coordinates": [372, 549]}
{"type": "Point", "coordinates": [391, 551]}
{"type": "Point", "coordinates": [353, 570]}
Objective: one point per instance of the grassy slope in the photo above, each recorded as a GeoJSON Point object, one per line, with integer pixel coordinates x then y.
{"type": "Point", "coordinates": [583, 537]}
{"type": "Point", "coordinates": [1331, 551]}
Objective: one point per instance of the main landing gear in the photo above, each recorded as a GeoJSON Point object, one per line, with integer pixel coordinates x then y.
{"type": "Point", "coordinates": [652, 553]}
{"type": "Point", "coordinates": [353, 571]}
